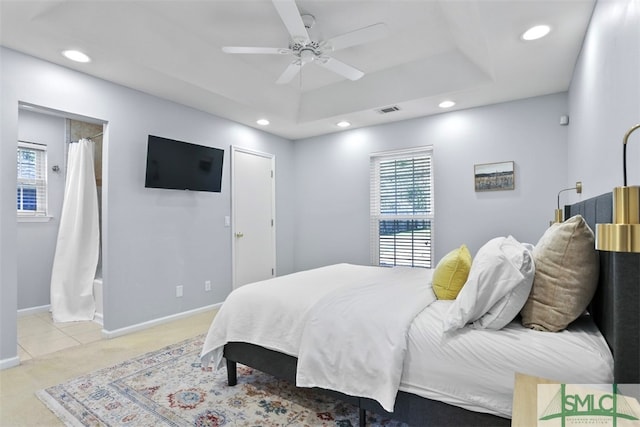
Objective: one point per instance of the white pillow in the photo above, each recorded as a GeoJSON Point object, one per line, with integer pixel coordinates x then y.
{"type": "Point", "coordinates": [497, 288]}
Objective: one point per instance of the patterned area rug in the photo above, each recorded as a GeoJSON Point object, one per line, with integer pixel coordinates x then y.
{"type": "Point", "coordinates": [170, 387]}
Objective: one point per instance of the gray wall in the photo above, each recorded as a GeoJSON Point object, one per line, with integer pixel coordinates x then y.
{"type": "Point", "coordinates": [603, 104]}
{"type": "Point", "coordinates": [332, 178]}
{"type": "Point", "coordinates": [152, 239]}
{"type": "Point", "coordinates": [604, 99]}
{"type": "Point", "coordinates": [37, 240]}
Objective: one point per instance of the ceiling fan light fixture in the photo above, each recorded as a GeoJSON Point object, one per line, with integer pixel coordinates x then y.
{"type": "Point", "coordinates": [307, 55]}
{"type": "Point", "coordinates": [343, 124]}
{"type": "Point", "coordinates": [76, 55]}
{"type": "Point", "coordinates": [446, 104]}
{"type": "Point", "coordinates": [536, 32]}
{"type": "Point", "coordinates": [306, 48]}
{"type": "Point", "coordinates": [308, 20]}
{"type": "Point", "coordinates": [262, 122]}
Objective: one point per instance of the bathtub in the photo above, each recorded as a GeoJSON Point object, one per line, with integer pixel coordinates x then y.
{"type": "Point", "coordinates": [97, 296]}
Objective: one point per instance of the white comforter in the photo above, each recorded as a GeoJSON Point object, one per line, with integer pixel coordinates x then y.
{"type": "Point", "coordinates": [470, 368]}
{"type": "Point", "coordinates": [283, 314]}
{"type": "Point", "coordinates": [355, 339]}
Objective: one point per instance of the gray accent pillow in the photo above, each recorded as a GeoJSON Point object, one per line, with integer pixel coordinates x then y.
{"type": "Point", "coordinates": [566, 276]}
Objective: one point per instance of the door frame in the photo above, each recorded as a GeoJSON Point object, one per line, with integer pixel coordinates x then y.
{"type": "Point", "coordinates": [235, 149]}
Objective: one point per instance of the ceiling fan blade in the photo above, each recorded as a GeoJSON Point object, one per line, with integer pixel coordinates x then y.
{"type": "Point", "coordinates": [290, 72]}
{"type": "Point", "coordinates": [291, 18]}
{"type": "Point", "coordinates": [340, 67]}
{"type": "Point", "coordinates": [356, 37]}
{"type": "Point", "coordinates": [259, 50]}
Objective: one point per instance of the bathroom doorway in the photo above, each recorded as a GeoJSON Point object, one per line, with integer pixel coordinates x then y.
{"type": "Point", "coordinates": [52, 131]}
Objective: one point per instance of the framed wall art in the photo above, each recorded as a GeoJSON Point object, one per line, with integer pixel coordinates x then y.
{"type": "Point", "coordinates": [494, 176]}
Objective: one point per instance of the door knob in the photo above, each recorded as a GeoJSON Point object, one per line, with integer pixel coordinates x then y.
{"type": "Point", "coordinates": [239, 235]}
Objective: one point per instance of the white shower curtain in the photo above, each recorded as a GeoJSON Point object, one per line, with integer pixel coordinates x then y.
{"type": "Point", "coordinates": [78, 244]}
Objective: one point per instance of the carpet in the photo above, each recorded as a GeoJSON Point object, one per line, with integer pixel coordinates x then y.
{"type": "Point", "coordinates": [170, 387]}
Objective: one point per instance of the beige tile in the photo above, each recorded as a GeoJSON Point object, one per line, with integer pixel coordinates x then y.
{"type": "Point", "coordinates": [46, 333]}
{"type": "Point", "coordinates": [23, 355]}
{"type": "Point", "coordinates": [73, 328]}
{"type": "Point", "coordinates": [88, 336]}
{"type": "Point", "coordinates": [39, 345]}
{"type": "Point", "coordinates": [33, 325]}
{"type": "Point", "coordinates": [45, 315]}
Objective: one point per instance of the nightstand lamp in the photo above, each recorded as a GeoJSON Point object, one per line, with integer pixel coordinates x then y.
{"type": "Point", "coordinates": [559, 215]}
{"type": "Point", "coordinates": [624, 234]}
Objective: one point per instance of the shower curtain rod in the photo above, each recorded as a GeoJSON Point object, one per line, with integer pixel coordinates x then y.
{"type": "Point", "coordinates": [91, 137]}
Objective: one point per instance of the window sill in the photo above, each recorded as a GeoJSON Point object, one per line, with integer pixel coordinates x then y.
{"type": "Point", "coordinates": [22, 218]}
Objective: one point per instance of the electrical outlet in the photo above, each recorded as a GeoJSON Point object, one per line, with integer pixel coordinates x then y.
{"type": "Point", "coordinates": [178, 291]}
{"type": "Point", "coordinates": [207, 285]}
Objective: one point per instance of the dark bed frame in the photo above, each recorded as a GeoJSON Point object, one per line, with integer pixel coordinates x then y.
{"type": "Point", "coordinates": [615, 309]}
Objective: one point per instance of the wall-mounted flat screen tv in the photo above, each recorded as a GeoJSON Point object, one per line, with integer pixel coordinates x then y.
{"type": "Point", "coordinates": [181, 165]}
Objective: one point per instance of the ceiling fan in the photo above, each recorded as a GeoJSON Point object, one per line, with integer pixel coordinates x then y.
{"type": "Point", "coordinates": [305, 50]}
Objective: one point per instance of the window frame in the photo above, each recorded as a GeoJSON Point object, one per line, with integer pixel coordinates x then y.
{"type": "Point", "coordinates": [41, 213]}
{"type": "Point", "coordinates": [375, 204]}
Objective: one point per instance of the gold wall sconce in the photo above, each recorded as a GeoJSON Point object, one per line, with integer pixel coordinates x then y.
{"type": "Point", "coordinates": [624, 234]}
{"type": "Point", "coordinates": [559, 214]}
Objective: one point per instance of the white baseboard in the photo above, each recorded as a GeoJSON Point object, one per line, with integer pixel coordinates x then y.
{"type": "Point", "coordinates": [9, 363]}
{"type": "Point", "coordinates": [98, 319]}
{"type": "Point", "coordinates": [33, 310]}
{"type": "Point", "coordinates": [146, 325]}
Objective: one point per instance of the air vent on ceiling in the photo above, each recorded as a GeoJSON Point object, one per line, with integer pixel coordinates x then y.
{"type": "Point", "coordinates": [387, 110]}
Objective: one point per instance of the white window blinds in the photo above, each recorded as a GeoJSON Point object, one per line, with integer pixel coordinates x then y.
{"type": "Point", "coordinates": [31, 196]}
{"type": "Point", "coordinates": [402, 208]}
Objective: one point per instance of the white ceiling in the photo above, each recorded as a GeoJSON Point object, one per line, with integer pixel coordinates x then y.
{"type": "Point", "coordinates": [468, 51]}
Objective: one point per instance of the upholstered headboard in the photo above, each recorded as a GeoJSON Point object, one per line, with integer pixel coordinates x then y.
{"type": "Point", "coordinates": [616, 304]}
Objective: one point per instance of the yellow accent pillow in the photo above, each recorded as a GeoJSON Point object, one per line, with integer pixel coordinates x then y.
{"type": "Point", "coordinates": [451, 273]}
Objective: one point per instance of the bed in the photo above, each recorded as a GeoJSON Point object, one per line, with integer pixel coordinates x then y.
{"type": "Point", "coordinates": [431, 397]}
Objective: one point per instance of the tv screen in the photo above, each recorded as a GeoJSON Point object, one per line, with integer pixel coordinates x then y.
{"type": "Point", "coordinates": [181, 165]}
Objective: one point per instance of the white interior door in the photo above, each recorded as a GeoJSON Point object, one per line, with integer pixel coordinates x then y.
{"type": "Point", "coordinates": [253, 216]}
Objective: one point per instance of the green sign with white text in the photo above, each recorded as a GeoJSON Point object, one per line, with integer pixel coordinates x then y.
{"type": "Point", "coordinates": [575, 405]}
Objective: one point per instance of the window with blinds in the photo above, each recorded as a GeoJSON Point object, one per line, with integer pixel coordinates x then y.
{"type": "Point", "coordinates": [31, 196]}
{"type": "Point", "coordinates": [402, 208]}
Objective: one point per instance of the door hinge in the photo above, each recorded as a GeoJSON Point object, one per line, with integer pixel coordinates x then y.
{"type": "Point", "coordinates": [273, 271]}
{"type": "Point", "coordinates": [271, 174]}
{"type": "Point", "coordinates": [272, 222]}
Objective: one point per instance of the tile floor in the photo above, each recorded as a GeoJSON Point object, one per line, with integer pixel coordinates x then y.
{"type": "Point", "coordinates": [50, 364]}
{"type": "Point", "coordinates": [39, 335]}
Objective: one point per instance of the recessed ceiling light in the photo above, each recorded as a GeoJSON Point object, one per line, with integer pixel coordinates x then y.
{"type": "Point", "coordinates": [343, 124]}
{"type": "Point", "coordinates": [262, 122]}
{"type": "Point", "coordinates": [76, 55]}
{"type": "Point", "coordinates": [446, 104]}
{"type": "Point", "coordinates": [535, 33]}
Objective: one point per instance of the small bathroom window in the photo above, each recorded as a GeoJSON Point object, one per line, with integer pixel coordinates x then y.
{"type": "Point", "coordinates": [31, 194]}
